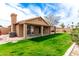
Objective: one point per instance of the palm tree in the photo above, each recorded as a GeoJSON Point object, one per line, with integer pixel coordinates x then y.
{"type": "Point", "coordinates": [72, 25]}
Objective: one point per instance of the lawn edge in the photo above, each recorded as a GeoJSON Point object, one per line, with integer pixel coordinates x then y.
{"type": "Point", "coordinates": [67, 53]}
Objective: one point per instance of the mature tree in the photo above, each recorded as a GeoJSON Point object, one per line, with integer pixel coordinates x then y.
{"type": "Point", "coordinates": [54, 20]}
{"type": "Point", "coordinates": [62, 25]}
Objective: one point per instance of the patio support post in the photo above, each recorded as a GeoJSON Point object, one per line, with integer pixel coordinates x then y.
{"type": "Point", "coordinates": [25, 30]}
{"type": "Point", "coordinates": [31, 30]}
{"type": "Point", "coordinates": [49, 30]}
{"type": "Point", "coordinates": [41, 30]}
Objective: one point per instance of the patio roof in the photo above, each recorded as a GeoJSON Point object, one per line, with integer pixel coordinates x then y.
{"type": "Point", "coordinates": [32, 19]}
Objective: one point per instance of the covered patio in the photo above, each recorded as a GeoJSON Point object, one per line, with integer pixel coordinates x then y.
{"type": "Point", "coordinates": [34, 30]}
{"type": "Point", "coordinates": [29, 30]}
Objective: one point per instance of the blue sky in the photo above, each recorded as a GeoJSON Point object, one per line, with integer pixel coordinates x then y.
{"type": "Point", "coordinates": [68, 12]}
{"type": "Point", "coordinates": [53, 7]}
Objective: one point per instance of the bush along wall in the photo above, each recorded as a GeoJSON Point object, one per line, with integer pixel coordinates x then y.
{"type": "Point", "coordinates": [75, 35]}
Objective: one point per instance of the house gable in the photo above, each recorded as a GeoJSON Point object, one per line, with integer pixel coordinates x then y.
{"type": "Point", "coordinates": [37, 21]}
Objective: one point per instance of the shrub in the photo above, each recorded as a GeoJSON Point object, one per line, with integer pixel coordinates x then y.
{"type": "Point", "coordinates": [75, 35]}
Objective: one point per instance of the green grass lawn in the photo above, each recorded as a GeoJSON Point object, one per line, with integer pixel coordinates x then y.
{"type": "Point", "coordinates": [51, 45]}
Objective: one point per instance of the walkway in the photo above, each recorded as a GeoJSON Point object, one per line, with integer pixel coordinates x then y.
{"type": "Point", "coordinates": [75, 51]}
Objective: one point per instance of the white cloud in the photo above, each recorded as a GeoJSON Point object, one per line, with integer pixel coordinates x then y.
{"type": "Point", "coordinates": [73, 14]}
{"type": "Point", "coordinates": [6, 11]}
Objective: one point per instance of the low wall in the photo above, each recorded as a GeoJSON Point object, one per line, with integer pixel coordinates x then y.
{"type": "Point", "coordinates": [59, 30]}
{"type": "Point", "coordinates": [4, 30]}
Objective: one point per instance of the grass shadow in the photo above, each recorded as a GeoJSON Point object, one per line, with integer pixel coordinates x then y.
{"type": "Point", "coordinates": [42, 38]}
{"type": "Point", "coordinates": [36, 39]}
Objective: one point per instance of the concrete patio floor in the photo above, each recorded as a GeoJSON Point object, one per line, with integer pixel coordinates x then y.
{"type": "Point", "coordinates": [5, 39]}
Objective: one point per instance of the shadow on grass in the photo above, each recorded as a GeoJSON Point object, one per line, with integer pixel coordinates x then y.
{"type": "Point", "coordinates": [37, 39]}
{"type": "Point", "coordinates": [42, 38]}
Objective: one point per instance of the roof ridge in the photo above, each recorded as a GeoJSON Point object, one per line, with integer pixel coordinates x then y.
{"type": "Point", "coordinates": [46, 20]}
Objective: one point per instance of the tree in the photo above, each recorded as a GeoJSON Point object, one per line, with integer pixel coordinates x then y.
{"type": "Point", "coordinates": [68, 26]}
{"type": "Point", "coordinates": [72, 25]}
{"type": "Point", "coordinates": [62, 25]}
{"type": "Point", "coordinates": [54, 20]}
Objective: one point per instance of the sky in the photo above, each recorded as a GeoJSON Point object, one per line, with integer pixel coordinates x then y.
{"type": "Point", "coordinates": [67, 10]}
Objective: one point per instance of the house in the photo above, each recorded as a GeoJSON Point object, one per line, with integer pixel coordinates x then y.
{"type": "Point", "coordinates": [31, 27]}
